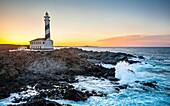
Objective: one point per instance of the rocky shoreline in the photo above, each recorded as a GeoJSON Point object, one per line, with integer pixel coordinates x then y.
{"type": "Point", "coordinates": [49, 74]}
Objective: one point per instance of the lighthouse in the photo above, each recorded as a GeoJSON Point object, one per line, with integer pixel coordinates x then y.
{"type": "Point", "coordinates": [47, 26]}
{"type": "Point", "coordinates": [43, 43]}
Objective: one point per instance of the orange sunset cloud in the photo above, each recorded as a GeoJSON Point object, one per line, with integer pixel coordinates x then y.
{"type": "Point", "coordinates": [137, 40]}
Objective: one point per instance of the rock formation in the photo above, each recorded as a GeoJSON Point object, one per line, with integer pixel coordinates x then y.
{"type": "Point", "coordinates": [50, 72]}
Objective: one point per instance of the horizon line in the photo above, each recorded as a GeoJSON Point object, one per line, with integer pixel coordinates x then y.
{"type": "Point", "coordinates": [83, 45]}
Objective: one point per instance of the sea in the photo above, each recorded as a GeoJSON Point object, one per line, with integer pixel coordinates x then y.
{"type": "Point", "coordinates": [155, 67]}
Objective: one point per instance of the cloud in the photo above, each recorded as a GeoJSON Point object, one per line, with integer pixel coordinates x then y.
{"type": "Point", "coordinates": [137, 40]}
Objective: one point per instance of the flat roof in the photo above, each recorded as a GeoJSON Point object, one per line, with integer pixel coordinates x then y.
{"type": "Point", "coordinates": [38, 39]}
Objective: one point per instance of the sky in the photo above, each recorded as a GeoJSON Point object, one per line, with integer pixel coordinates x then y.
{"type": "Point", "coordinates": [87, 22]}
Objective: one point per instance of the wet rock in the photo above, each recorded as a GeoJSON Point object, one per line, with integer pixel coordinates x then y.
{"type": "Point", "coordinates": [150, 84]}
{"type": "Point", "coordinates": [141, 57]}
{"type": "Point", "coordinates": [118, 88]}
{"type": "Point", "coordinates": [123, 86]}
{"type": "Point", "coordinates": [132, 62]}
{"type": "Point", "coordinates": [88, 93]}
{"type": "Point", "coordinates": [108, 72]}
{"type": "Point", "coordinates": [75, 95]}
{"type": "Point", "coordinates": [137, 81]}
{"type": "Point", "coordinates": [111, 78]}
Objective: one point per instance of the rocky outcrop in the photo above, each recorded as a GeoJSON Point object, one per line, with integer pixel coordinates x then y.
{"type": "Point", "coordinates": [101, 57]}
{"type": "Point", "coordinates": [42, 102]}
{"type": "Point", "coordinates": [152, 84]}
{"type": "Point", "coordinates": [71, 61]}
{"type": "Point", "coordinates": [52, 71]}
{"type": "Point", "coordinates": [21, 68]}
{"type": "Point", "coordinates": [55, 62]}
{"type": "Point", "coordinates": [58, 62]}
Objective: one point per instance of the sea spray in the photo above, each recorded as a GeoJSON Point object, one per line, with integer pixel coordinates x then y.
{"type": "Point", "coordinates": [94, 84]}
{"type": "Point", "coordinates": [124, 73]}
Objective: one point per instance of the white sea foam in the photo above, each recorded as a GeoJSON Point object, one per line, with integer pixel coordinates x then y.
{"type": "Point", "coordinates": [109, 66]}
{"type": "Point", "coordinates": [8, 101]}
{"type": "Point", "coordinates": [124, 73]}
{"type": "Point", "coordinates": [93, 83]}
{"type": "Point", "coordinates": [31, 92]}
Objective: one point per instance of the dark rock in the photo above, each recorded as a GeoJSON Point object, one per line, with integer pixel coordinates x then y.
{"type": "Point", "coordinates": [4, 93]}
{"type": "Point", "coordinates": [104, 57]}
{"type": "Point", "coordinates": [141, 57]}
{"type": "Point", "coordinates": [44, 85]}
{"type": "Point", "coordinates": [121, 87]}
{"type": "Point", "coordinates": [88, 93]}
{"type": "Point", "coordinates": [132, 62]}
{"type": "Point", "coordinates": [43, 93]}
{"type": "Point", "coordinates": [131, 71]}
{"type": "Point", "coordinates": [150, 84]}
{"type": "Point", "coordinates": [111, 78]}
{"type": "Point", "coordinates": [75, 95]}
{"type": "Point", "coordinates": [137, 81]}
{"type": "Point", "coordinates": [118, 89]}
{"type": "Point", "coordinates": [42, 102]}
{"type": "Point", "coordinates": [108, 72]}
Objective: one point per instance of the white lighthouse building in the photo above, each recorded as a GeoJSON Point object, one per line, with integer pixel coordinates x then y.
{"type": "Point", "coordinates": [43, 43]}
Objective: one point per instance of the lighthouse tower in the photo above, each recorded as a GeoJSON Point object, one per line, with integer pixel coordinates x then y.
{"type": "Point", "coordinates": [47, 26]}
{"type": "Point", "coordinates": [43, 43]}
